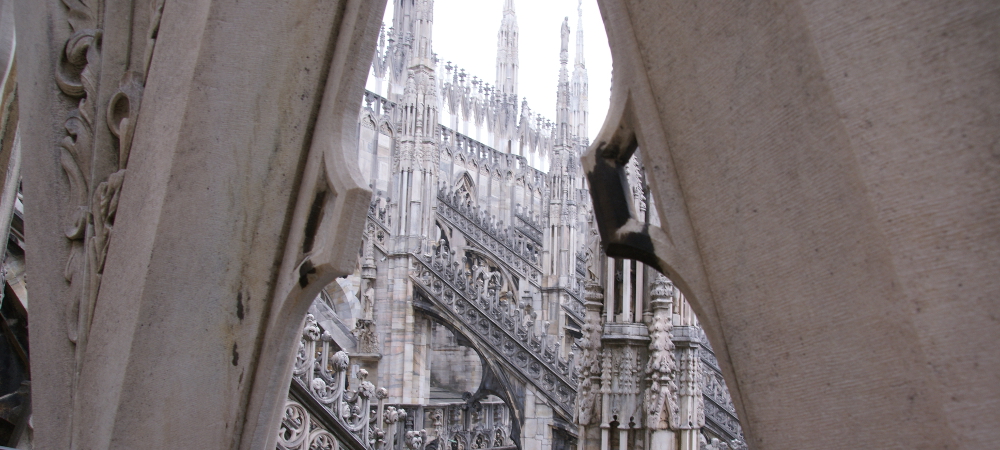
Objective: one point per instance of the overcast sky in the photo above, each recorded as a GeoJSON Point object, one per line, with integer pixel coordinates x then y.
{"type": "Point", "coordinates": [465, 33]}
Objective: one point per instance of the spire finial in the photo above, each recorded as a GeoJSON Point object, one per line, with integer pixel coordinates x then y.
{"type": "Point", "coordinates": [564, 49]}
{"type": "Point", "coordinates": [507, 64]}
{"type": "Point", "coordinates": [579, 90]}
{"type": "Point", "coordinates": [579, 35]}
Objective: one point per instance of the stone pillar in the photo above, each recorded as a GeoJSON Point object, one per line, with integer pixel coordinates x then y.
{"type": "Point", "coordinates": [609, 290]}
{"type": "Point", "coordinates": [692, 412]}
{"type": "Point", "coordinates": [589, 399]}
{"type": "Point", "coordinates": [627, 297]}
{"type": "Point", "coordinates": [661, 393]}
{"type": "Point", "coordinates": [189, 197]}
{"type": "Point", "coordinates": [640, 279]}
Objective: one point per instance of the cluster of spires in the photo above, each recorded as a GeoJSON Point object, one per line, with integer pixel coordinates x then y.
{"type": "Point", "coordinates": [489, 113]}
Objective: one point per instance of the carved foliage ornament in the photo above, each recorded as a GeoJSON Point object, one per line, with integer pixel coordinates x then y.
{"type": "Point", "coordinates": [589, 369]}
{"type": "Point", "coordinates": [93, 160]}
{"type": "Point", "coordinates": [662, 408]}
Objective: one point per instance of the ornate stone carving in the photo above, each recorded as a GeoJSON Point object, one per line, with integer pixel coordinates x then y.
{"type": "Point", "coordinates": [460, 289]}
{"type": "Point", "coordinates": [323, 375]}
{"type": "Point", "coordinates": [367, 337]}
{"type": "Point", "coordinates": [415, 439]}
{"type": "Point", "coordinates": [520, 255]}
{"type": "Point", "coordinates": [86, 158]}
{"type": "Point", "coordinates": [662, 409]}
{"type": "Point", "coordinates": [300, 431]}
{"type": "Point", "coordinates": [77, 76]}
{"type": "Point", "coordinates": [690, 386]}
{"type": "Point", "coordinates": [94, 159]}
{"type": "Point", "coordinates": [589, 369]}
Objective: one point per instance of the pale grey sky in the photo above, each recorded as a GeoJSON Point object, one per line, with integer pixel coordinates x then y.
{"type": "Point", "coordinates": [465, 33]}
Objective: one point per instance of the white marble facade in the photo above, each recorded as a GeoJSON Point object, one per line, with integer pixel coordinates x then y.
{"type": "Point", "coordinates": [471, 284]}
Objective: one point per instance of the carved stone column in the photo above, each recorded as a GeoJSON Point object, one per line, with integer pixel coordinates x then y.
{"type": "Point", "coordinates": [176, 246]}
{"type": "Point", "coordinates": [690, 380]}
{"type": "Point", "coordinates": [589, 370]}
{"type": "Point", "coordinates": [691, 402]}
{"type": "Point", "coordinates": [661, 393]}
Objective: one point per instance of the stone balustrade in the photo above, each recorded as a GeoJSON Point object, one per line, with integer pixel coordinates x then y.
{"type": "Point", "coordinates": [484, 155]}
{"type": "Point", "coordinates": [504, 244]}
{"type": "Point", "coordinates": [479, 425]}
{"type": "Point", "coordinates": [328, 415]}
{"type": "Point", "coordinates": [498, 322]}
{"type": "Point", "coordinates": [529, 226]}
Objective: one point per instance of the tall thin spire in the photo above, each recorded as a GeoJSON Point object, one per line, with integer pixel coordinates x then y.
{"type": "Point", "coordinates": [423, 24]}
{"type": "Point", "coordinates": [579, 63]}
{"type": "Point", "coordinates": [413, 26]}
{"type": "Point", "coordinates": [563, 119]}
{"type": "Point", "coordinates": [507, 52]}
{"type": "Point", "coordinates": [579, 108]}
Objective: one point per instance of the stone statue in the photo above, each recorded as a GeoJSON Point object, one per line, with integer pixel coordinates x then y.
{"type": "Point", "coordinates": [367, 336]}
{"type": "Point", "coordinates": [415, 440]}
{"type": "Point", "coordinates": [368, 303]}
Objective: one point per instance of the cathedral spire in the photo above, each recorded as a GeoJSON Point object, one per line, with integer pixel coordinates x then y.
{"type": "Point", "coordinates": [579, 108]}
{"type": "Point", "coordinates": [563, 92]}
{"type": "Point", "coordinates": [413, 22]}
{"type": "Point", "coordinates": [507, 53]}
{"type": "Point", "coordinates": [579, 63]}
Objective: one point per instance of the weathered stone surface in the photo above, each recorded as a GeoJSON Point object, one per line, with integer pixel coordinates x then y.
{"type": "Point", "coordinates": [827, 177]}
{"type": "Point", "coordinates": [214, 257]}
{"type": "Point", "coordinates": [825, 173]}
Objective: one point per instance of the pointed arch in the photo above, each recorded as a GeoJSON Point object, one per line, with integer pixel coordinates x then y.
{"type": "Point", "coordinates": [465, 188]}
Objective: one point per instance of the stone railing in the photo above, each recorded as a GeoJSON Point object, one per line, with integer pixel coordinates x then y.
{"type": "Point", "coordinates": [378, 212]}
{"type": "Point", "coordinates": [329, 415]}
{"type": "Point", "coordinates": [529, 227]}
{"type": "Point", "coordinates": [581, 264]}
{"type": "Point", "coordinates": [484, 155]}
{"type": "Point", "coordinates": [575, 305]}
{"type": "Point", "coordinates": [379, 221]}
{"type": "Point", "coordinates": [714, 393]}
{"type": "Point", "coordinates": [301, 431]}
{"type": "Point", "coordinates": [460, 425]}
{"type": "Point", "coordinates": [497, 322]}
{"type": "Point", "coordinates": [519, 255]}
{"type": "Point", "coordinates": [380, 105]}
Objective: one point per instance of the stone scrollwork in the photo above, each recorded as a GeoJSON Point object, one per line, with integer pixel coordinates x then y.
{"type": "Point", "coordinates": [323, 374]}
{"type": "Point", "coordinates": [95, 162]}
{"type": "Point", "coordinates": [122, 112]}
{"type": "Point", "coordinates": [299, 430]}
{"type": "Point", "coordinates": [77, 76]}
{"type": "Point", "coordinates": [93, 158]}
